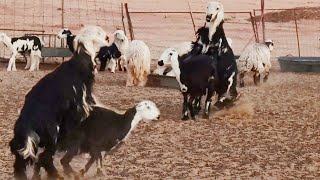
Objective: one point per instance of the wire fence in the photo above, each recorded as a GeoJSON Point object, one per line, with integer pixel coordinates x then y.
{"type": "Point", "coordinates": [294, 31]}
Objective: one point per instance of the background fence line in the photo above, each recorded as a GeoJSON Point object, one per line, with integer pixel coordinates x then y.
{"type": "Point", "coordinates": [294, 31]}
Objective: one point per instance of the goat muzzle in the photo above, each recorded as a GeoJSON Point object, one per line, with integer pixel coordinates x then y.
{"type": "Point", "coordinates": [208, 17]}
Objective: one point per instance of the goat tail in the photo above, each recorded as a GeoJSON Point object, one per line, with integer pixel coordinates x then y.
{"type": "Point", "coordinates": [30, 146]}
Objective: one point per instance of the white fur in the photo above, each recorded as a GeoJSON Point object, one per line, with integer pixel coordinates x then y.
{"type": "Point", "coordinates": [35, 55]}
{"type": "Point", "coordinates": [138, 60]}
{"type": "Point", "coordinates": [28, 150]}
{"type": "Point", "coordinates": [146, 111]}
{"type": "Point", "coordinates": [85, 105]}
{"type": "Point", "coordinates": [92, 38]}
{"type": "Point", "coordinates": [181, 49]}
{"type": "Point", "coordinates": [174, 61]}
{"type": "Point", "coordinates": [255, 57]}
{"type": "Point", "coordinates": [122, 43]}
{"type": "Point", "coordinates": [216, 11]}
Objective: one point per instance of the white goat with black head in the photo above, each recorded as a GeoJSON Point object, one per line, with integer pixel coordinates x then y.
{"type": "Point", "coordinates": [256, 58]}
{"type": "Point", "coordinates": [104, 130]}
{"type": "Point", "coordinates": [25, 45]}
{"type": "Point", "coordinates": [66, 33]}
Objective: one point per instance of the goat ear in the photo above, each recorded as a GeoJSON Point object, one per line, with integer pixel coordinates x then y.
{"type": "Point", "coordinates": [139, 107]}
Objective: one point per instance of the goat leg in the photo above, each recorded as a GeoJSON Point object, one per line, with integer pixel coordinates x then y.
{"type": "Point", "coordinates": [266, 77]}
{"type": "Point", "coordinates": [99, 164]}
{"type": "Point", "coordinates": [256, 78]}
{"type": "Point", "coordinates": [185, 107]}
{"type": "Point", "coordinates": [87, 167]}
{"type": "Point", "coordinates": [67, 159]}
{"type": "Point", "coordinates": [241, 77]}
{"type": "Point", "coordinates": [190, 106]}
{"type": "Point", "coordinates": [197, 104]}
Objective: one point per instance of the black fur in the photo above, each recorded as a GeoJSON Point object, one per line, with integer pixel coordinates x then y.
{"type": "Point", "coordinates": [226, 64]}
{"type": "Point", "coordinates": [198, 74]}
{"type": "Point", "coordinates": [106, 53]}
{"type": "Point", "coordinates": [55, 102]}
{"type": "Point", "coordinates": [103, 130]}
{"type": "Point", "coordinates": [70, 39]}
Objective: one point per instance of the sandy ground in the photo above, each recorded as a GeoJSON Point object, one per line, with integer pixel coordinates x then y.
{"type": "Point", "coordinates": [272, 132]}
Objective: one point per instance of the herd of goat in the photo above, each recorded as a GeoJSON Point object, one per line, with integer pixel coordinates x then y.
{"type": "Point", "coordinates": [60, 112]}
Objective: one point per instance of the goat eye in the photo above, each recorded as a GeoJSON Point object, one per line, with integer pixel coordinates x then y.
{"type": "Point", "coordinates": [148, 107]}
{"type": "Point", "coordinates": [170, 54]}
{"type": "Point", "coordinates": [217, 8]}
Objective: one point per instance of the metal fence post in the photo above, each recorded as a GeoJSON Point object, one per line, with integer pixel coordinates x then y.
{"type": "Point", "coordinates": [129, 21]}
{"type": "Point", "coordinates": [122, 19]}
{"type": "Point", "coordinates": [297, 32]}
{"type": "Point", "coordinates": [62, 13]}
{"type": "Point", "coordinates": [194, 26]}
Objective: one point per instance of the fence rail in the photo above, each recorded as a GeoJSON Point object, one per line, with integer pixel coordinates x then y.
{"type": "Point", "coordinates": [292, 30]}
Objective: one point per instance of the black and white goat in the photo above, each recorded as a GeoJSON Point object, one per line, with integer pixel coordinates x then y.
{"type": "Point", "coordinates": [108, 54]}
{"type": "Point", "coordinates": [114, 54]}
{"type": "Point", "coordinates": [56, 105]}
{"type": "Point", "coordinates": [24, 45]}
{"type": "Point", "coordinates": [197, 76]}
{"type": "Point", "coordinates": [104, 130]}
{"type": "Point", "coordinates": [212, 36]}
{"type": "Point", "coordinates": [66, 33]}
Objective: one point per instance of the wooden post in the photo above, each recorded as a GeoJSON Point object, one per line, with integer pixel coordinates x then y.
{"type": "Point", "coordinates": [297, 32]}
{"type": "Point", "coordinates": [62, 14]}
{"type": "Point", "coordinates": [129, 22]}
{"type": "Point", "coordinates": [254, 29]}
{"type": "Point", "coordinates": [255, 22]}
{"type": "Point", "coordinates": [194, 26]}
{"type": "Point", "coordinates": [262, 18]}
{"type": "Point", "coordinates": [122, 18]}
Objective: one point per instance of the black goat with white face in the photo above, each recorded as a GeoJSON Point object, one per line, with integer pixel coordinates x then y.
{"type": "Point", "coordinates": [66, 33]}
{"type": "Point", "coordinates": [57, 104]}
{"type": "Point", "coordinates": [104, 130]}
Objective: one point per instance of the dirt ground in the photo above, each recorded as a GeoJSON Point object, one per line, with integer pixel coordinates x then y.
{"type": "Point", "coordinates": [272, 132]}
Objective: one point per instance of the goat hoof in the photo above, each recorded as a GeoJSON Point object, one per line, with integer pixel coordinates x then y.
{"type": "Point", "coordinates": [184, 118]}
{"type": "Point", "coordinates": [99, 173]}
{"type": "Point", "coordinates": [205, 116]}
{"type": "Point", "coordinates": [82, 172]}
{"type": "Point", "coordinates": [36, 177]}
{"type": "Point", "coordinates": [193, 118]}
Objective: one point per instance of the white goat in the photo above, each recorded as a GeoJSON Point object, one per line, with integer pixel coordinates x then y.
{"type": "Point", "coordinates": [138, 61]}
{"type": "Point", "coordinates": [256, 58]}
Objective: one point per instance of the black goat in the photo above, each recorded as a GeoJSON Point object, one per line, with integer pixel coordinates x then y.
{"type": "Point", "coordinates": [55, 106]}
{"type": "Point", "coordinates": [104, 130]}
{"type": "Point", "coordinates": [219, 49]}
